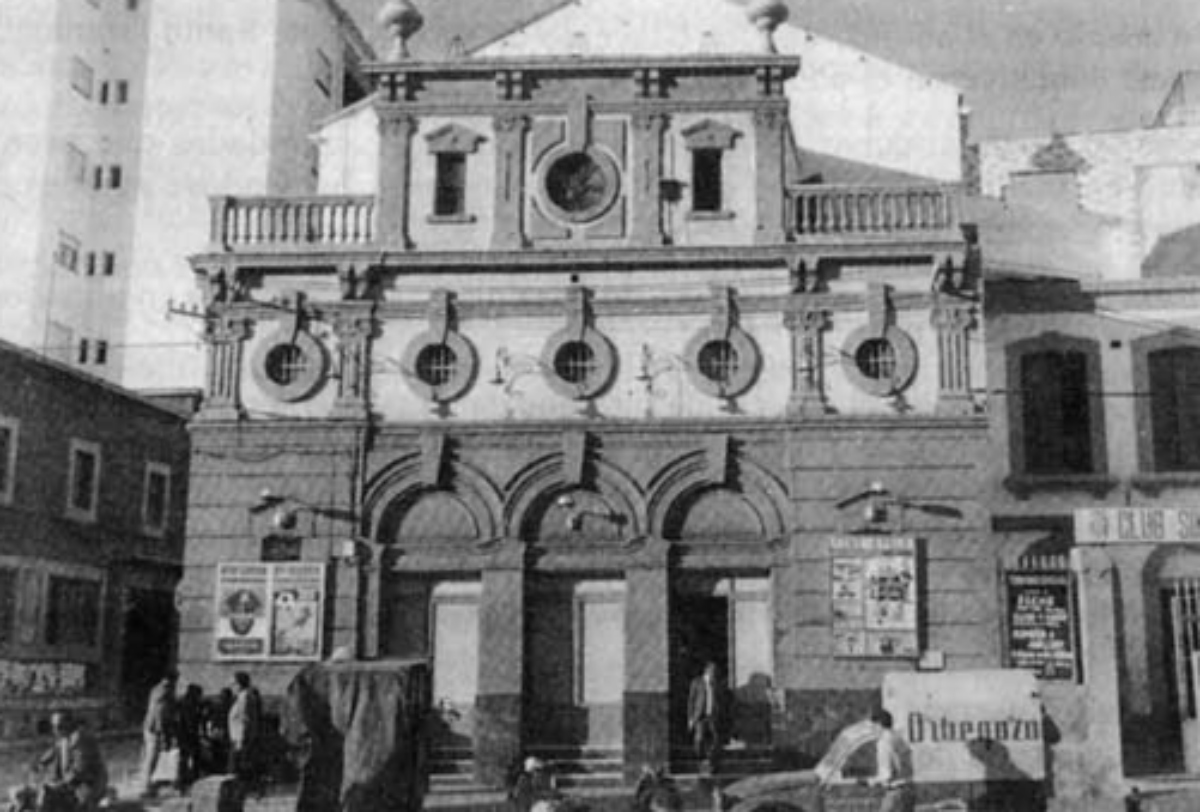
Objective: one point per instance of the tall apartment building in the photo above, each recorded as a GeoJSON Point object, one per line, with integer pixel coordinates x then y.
{"type": "Point", "coordinates": [121, 116]}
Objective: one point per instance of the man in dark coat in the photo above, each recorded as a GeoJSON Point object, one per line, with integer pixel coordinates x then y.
{"type": "Point", "coordinates": [708, 709]}
{"type": "Point", "coordinates": [73, 772]}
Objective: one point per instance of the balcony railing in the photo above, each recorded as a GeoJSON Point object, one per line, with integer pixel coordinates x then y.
{"type": "Point", "coordinates": [281, 223]}
{"type": "Point", "coordinates": [874, 210]}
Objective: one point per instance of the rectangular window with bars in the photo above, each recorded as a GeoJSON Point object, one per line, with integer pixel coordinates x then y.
{"type": "Point", "coordinates": [8, 604]}
{"type": "Point", "coordinates": [156, 499]}
{"type": "Point", "coordinates": [9, 432]}
{"type": "Point", "coordinates": [1181, 600]}
{"type": "Point", "coordinates": [73, 612]}
{"type": "Point", "coordinates": [83, 480]}
{"type": "Point", "coordinates": [450, 194]}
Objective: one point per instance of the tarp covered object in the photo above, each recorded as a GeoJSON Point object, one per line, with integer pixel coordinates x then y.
{"type": "Point", "coordinates": [359, 730]}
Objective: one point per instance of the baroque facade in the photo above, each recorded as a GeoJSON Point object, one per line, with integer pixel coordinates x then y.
{"type": "Point", "coordinates": [602, 378]}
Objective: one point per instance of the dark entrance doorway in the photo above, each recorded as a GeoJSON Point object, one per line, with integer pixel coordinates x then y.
{"type": "Point", "coordinates": [149, 634]}
{"type": "Point", "coordinates": [699, 631]}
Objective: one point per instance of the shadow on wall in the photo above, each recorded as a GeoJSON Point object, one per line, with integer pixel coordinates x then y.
{"type": "Point", "coordinates": [1005, 785]}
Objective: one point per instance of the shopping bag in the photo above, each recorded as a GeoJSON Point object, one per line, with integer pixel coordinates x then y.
{"type": "Point", "coordinates": [166, 768]}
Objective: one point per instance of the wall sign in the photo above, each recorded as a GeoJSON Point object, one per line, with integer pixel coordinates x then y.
{"type": "Point", "coordinates": [874, 588]}
{"type": "Point", "coordinates": [1041, 624]}
{"type": "Point", "coordinates": [1136, 525]}
{"type": "Point", "coordinates": [269, 611]}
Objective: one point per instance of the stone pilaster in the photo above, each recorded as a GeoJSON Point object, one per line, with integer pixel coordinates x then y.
{"type": "Point", "coordinates": [396, 130]}
{"type": "Point", "coordinates": [807, 323]}
{"type": "Point", "coordinates": [222, 391]}
{"type": "Point", "coordinates": [647, 656]}
{"type": "Point", "coordinates": [354, 350]}
{"type": "Point", "coordinates": [953, 321]}
{"type": "Point", "coordinates": [1095, 761]}
{"type": "Point", "coordinates": [768, 157]}
{"type": "Point", "coordinates": [498, 701]}
{"type": "Point", "coordinates": [508, 228]}
{"type": "Point", "coordinates": [647, 177]}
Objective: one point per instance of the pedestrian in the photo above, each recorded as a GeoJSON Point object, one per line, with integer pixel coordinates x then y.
{"type": "Point", "coordinates": [190, 733]}
{"type": "Point", "coordinates": [245, 730]}
{"type": "Point", "coordinates": [73, 775]}
{"type": "Point", "coordinates": [158, 728]}
{"type": "Point", "coordinates": [535, 783]}
{"type": "Point", "coordinates": [708, 706]}
{"type": "Point", "coordinates": [215, 743]}
{"type": "Point", "coordinates": [894, 767]}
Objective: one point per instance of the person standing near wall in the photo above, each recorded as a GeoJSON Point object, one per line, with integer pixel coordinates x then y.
{"type": "Point", "coordinates": [159, 727]}
{"type": "Point", "coordinates": [245, 730]}
{"type": "Point", "coordinates": [73, 770]}
{"type": "Point", "coordinates": [894, 759]}
{"type": "Point", "coordinates": [190, 734]}
{"type": "Point", "coordinates": [708, 706]}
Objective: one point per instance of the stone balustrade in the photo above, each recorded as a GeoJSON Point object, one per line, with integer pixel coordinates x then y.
{"type": "Point", "coordinates": [874, 210]}
{"type": "Point", "coordinates": [266, 223]}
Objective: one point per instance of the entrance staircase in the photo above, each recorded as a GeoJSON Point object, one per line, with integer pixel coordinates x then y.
{"type": "Point", "coordinates": [587, 768]}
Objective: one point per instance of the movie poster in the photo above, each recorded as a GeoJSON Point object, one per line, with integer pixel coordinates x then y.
{"type": "Point", "coordinates": [873, 596]}
{"type": "Point", "coordinates": [242, 619]}
{"type": "Point", "coordinates": [269, 611]}
{"type": "Point", "coordinates": [296, 593]}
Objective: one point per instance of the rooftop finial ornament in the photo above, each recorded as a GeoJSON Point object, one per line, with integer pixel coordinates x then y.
{"type": "Point", "coordinates": [401, 20]}
{"type": "Point", "coordinates": [767, 15]}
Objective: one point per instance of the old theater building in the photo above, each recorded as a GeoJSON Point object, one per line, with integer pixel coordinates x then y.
{"type": "Point", "coordinates": [581, 374]}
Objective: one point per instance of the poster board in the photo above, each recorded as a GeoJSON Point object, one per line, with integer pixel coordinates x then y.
{"type": "Point", "coordinates": [873, 592]}
{"type": "Point", "coordinates": [269, 611]}
{"type": "Point", "coordinates": [1041, 623]}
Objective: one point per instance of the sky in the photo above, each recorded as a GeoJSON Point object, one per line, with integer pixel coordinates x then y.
{"type": "Point", "coordinates": [1025, 67]}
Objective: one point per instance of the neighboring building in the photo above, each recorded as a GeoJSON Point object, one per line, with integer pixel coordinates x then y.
{"type": "Point", "coordinates": [580, 373]}
{"type": "Point", "coordinates": [122, 116]}
{"type": "Point", "coordinates": [93, 488]}
{"type": "Point", "coordinates": [1094, 357]}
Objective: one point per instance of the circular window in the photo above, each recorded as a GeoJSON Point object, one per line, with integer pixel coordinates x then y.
{"type": "Point", "coordinates": [718, 361]}
{"type": "Point", "coordinates": [435, 364]}
{"type": "Point", "coordinates": [286, 364]}
{"type": "Point", "coordinates": [580, 366]}
{"type": "Point", "coordinates": [575, 362]}
{"type": "Point", "coordinates": [290, 369]}
{"type": "Point", "coordinates": [876, 358]}
{"type": "Point", "coordinates": [439, 367]}
{"type": "Point", "coordinates": [722, 365]}
{"type": "Point", "coordinates": [879, 365]}
{"type": "Point", "coordinates": [580, 186]}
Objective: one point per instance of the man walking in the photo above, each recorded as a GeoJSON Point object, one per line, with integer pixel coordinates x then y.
{"type": "Point", "coordinates": [245, 723]}
{"type": "Point", "coordinates": [895, 767]}
{"type": "Point", "coordinates": [707, 706]}
{"type": "Point", "coordinates": [158, 728]}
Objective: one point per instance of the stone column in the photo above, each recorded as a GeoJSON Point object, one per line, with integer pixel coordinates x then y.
{"type": "Point", "coordinates": [647, 177]}
{"type": "Point", "coordinates": [498, 703]}
{"type": "Point", "coordinates": [768, 159]}
{"type": "Point", "coordinates": [396, 129]}
{"type": "Point", "coordinates": [1098, 771]}
{"type": "Point", "coordinates": [508, 226]}
{"type": "Point", "coordinates": [346, 620]}
{"type": "Point", "coordinates": [354, 351]}
{"type": "Point", "coordinates": [952, 321]}
{"type": "Point", "coordinates": [807, 323]}
{"type": "Point", "coordinates": [647, 658]}
{"type": "Point", "coordinates": [222, 392]}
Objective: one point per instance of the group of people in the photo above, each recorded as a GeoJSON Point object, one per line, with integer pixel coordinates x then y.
{"type": "Point", "coordinates": [184, 733]}
{"type": "Point", "coordinates": [200, 737]}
